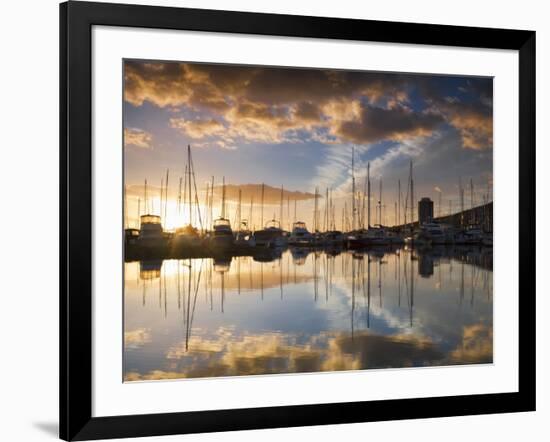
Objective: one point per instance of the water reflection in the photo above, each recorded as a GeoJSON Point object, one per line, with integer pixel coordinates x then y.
{"type": "Point", "coordinates": [303, 310]}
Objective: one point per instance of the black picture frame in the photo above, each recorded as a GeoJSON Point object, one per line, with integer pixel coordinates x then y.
{"type": "Point", "coordinates": [76, 21]}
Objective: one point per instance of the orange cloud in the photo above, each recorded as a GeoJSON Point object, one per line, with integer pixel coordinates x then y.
{"type": "Point", "coordinates": [272, 195]}
{"type": "Point", "coordinates": [229, 355]}
{"type": "Point", "coordinates": [476, 346]}
{"type": "Point", "coordinates": [270, 105]}
{"type": "Point", "coordinates": [137, 138]}
{"type": "Point", "coordinates": [476, 129]}
{"type": "Point", "coordinates": [137, 338]}
{"type": "Point", "coordinates": [198, 128]}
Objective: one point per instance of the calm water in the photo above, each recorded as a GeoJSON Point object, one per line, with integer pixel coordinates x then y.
{"type": "Point", "coordinates": [305, 311]}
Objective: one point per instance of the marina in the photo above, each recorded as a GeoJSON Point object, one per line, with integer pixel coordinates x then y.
{"type": "Point", "coordinates": [205, 236]}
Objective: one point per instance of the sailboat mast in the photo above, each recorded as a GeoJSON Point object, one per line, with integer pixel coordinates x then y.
{"type": "Point", "coordinates": [368, 195]}
{"type": "Point", "coordinates": [161, 198]}
{"type": "Point", "coordinates": [239, 209]}
{"type": "Point", "coordinates": [250, 212]}
{"type": "Point", "coordinates": [166, 196]}
{"type": "Point", "coordinates": [184, 197]}
{"type": "Point", "coordinates": [281, 208]}
{"type": "Point", "coordinates": [179, 197]}
{"type": "Point", "coordinates": [380, 204]}
{"type": "Point", "coordinates": [461, 192]}
{"type": "Point", "coordinates": [331, 227]}
{"type": "Point", "coordinates": [412, 193]}
{"type": "Point", "coordinates": [353, 188]}
{"type": "Point", "coordinates": [315, 227]}
{"type": "Point", "coordinates": [223, 197]}
{"type": "Point", "coordinates": [192, 170]}
{"type": "Point", "coordinates": [138, 211]}
{"type": "Point", "coordinates": [471, 194]}
{"type": "Point", "coordinates": [206, 200]}
{"type": "Point", "coordinates": [363, 203]}
{"type": "Point", "coordinates": [398, 202]}
{"type": "Point", "coordinates": [346, 221]}
{"type": "Point", "coordinates": [472, 214]}
{"type": "Point", "coordinates": [288, 211]}
{"type": "Point", "coordinates": [190, 200]}
{"type": "Point", "coordinates": [211, 202]}
{"type": "Point", "coordinates": [325, 221]}
{"type": "Point", "coordinates": [262, 207]}
{"type": "Point", "coordinates": [145, 197]}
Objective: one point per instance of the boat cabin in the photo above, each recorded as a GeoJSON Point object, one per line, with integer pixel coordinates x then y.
{"type": "Point", "coordinates": [222, 226]}
{"type": "Point", "coordinates": [273, 225]}
{"type": "Point", "coordinates": [151, 232]}
{"type": "Point", "coordinates": [149, 219]}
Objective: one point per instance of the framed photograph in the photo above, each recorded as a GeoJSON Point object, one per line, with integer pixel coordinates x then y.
{"type": "Point", "coordinates": [272, 221]}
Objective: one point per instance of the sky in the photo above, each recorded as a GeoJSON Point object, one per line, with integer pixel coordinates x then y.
{"type": "Point", "coordinates": [297, 128]}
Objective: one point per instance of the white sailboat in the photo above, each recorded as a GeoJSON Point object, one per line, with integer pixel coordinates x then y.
{"type": "Point", "coordinates": [300, 235]}
{"type": "Point", "coordinates": [222, 234]}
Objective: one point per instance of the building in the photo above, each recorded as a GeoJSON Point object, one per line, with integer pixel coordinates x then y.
{"type": "Point", "coordinates": [425, 210]}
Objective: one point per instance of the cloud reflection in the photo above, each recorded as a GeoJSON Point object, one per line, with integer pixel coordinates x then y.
{"type": "Point", "coordinates": [227, 354]}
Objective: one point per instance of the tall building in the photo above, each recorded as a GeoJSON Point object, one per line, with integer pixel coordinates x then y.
{"type": "Point", "coordinates": [425, 210]}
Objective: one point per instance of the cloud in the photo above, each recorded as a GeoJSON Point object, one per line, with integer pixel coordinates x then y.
{"type": "Point", "coordinates": [227, 105]}
{"type": "Point", "coordinates": [471, 115]}
{"type": "Point", "coordinates": [272, 195]}
{"type": "Point", "coordinates": [377, 124]}
{"type": "Point", "coordinates": [254, 103]}
{"type": "Point", "coordinates": [198, 128]}
{"type": "Point", "coordinates": [169, 85]}
{"type": "Point", "coordinates": [153, 192]}
{"type": "Point", "coordinates": [476, 346]}
{"type": "Point", "coordinates": [137, 338]}
{"type": "Point", "coordinates": [475, 127]}
{"type": "Point", "coordinates": [137, 138]}
{"type": "Point", "coordinates": [227, 354]}
{"type": "Point", "coordinates": [307, 112]}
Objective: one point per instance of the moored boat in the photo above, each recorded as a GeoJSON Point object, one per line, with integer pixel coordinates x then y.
{"type": "Point", "coordinates": [472, 235]}
{"type": "Point", "coordinates": [222, 235]}
{"type": "Point", "coordinates": [300, 235]}
{"type": "Point", "coordinates": [151, 234]}
{"type": "Point", "coordinates": [244, 236]}
{"type": "Point", "coordinates": [271, 235]}
{"type": "Point", "coordinates": [334, 238]}
{"type": "Point", "coordinates": [435, 233]}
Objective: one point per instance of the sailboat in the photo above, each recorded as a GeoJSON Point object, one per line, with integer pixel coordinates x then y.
{"type": "Point", "coordinates": [272, 235]}
{"type": "Point", "coordinates": [151, 233]}
{"type": "Point", "coordinates": [372, 235]}
{"type": "Point", "coordinates": [355, 238]}
{"type": "Point", "coordinates": [187, 237]}
{"type": "Point", "coordinates": [472, 235]}
{"type": "Point", "coordinates": [332, 238]}
{"type": "Point", "coordinates": [222, 235]}
{"type": "Point", "coordinates": [300, 235]}
{"type": "Point", "coordinates": [436, 233]}
{"type": "Point", "coordinates": [244, 236]}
